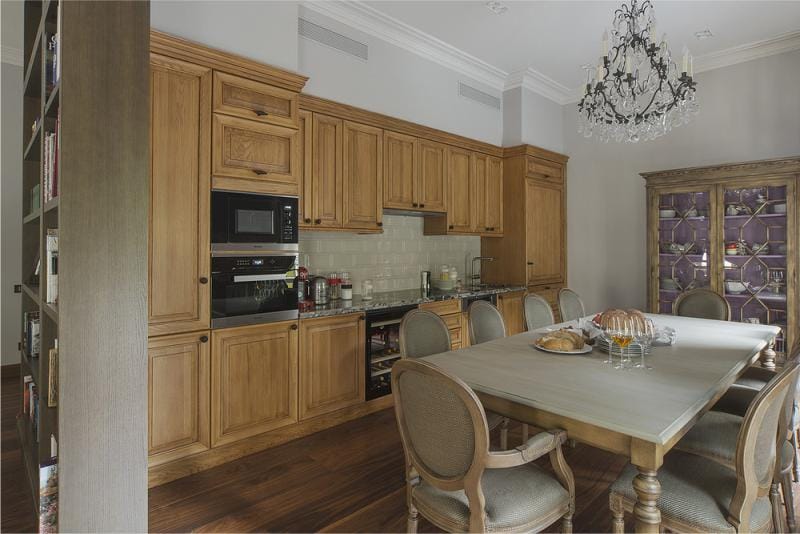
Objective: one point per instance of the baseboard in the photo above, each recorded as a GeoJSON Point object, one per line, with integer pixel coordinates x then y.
{"type": "Point", "coordinates": [9, 371]}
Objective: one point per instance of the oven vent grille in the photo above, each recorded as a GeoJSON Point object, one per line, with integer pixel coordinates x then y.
{"type": "Point", "coordinates": [330, 38]}
{"type": "Point", "coordinates": [467, 91]}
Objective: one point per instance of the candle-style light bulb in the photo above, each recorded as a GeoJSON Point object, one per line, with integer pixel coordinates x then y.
{"type": "Point", "coordinates": [691, 65]}
{"type": "Point", "coordinates": [600, 71]}
{"type": "Point", "coordinates": [685, 59]}
{"type": "Point", "coordinates": [627, 64]}
{"type": "Point", "coordinates": [605, 43]}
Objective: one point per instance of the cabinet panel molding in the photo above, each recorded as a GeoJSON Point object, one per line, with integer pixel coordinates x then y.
{"type": "Point", "coordinates": [362, 176]}
{"type": "Point", "coordinates": [326, 182]}
{"type": "Point", "coordinates": [400, 171]}
{"type": "Point", "coordinates": [253, 380]}
{"type": "Point", "coordinates": [432, 178]}
{"type": "Point", "coordinates": [234, 95]}
{"type": "Point", "coordinates": [180, 128]}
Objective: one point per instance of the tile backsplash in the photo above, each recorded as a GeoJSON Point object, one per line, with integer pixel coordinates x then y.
{"type": "Point", "coordinates": [392, 260]}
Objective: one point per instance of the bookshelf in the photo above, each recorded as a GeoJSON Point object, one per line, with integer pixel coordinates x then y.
{"type": "Point", "coordinates": [41, 106]}
{"type": "Point", "coordinates": [98, 108]}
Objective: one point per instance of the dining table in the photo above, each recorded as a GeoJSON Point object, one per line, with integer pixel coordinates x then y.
{"type": "Point", "coordinates": [638, 413]}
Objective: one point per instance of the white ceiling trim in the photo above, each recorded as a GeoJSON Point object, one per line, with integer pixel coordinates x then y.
{"type": "Point", "coordinates": [537, 82]}
{"type": "Point", "coordinates": [11, 55]}
{"type": "Point", "coordinates": [747, 52]}
{"type": "Point", "coordinates": [368, 20]}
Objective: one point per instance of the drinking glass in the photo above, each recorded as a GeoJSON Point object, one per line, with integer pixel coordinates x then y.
{"type": "Point", "coordinates": [621, 329]}
{"type": "Point", "coordinates": [644, 333]}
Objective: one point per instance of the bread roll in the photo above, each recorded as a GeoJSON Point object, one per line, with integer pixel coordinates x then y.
{"type": "Point", "coordinates": [555, 343]}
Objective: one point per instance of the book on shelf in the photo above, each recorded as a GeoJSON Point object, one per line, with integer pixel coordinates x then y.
{"type": "Point", "coordinates": [26, 396]}
{"type": "Point", "coordinates": [35, 198]}
{"type": "Point", "coordinates": [53, 446]}
{"type": "Point", "coordinates": [52, 265]}
{"type": "Point", "coordinates": [31, 329]}
{"type": "Point", "coordinates": [48, 496]}
{"type": "Point", "coordinates": [50, 167]}
{"type": "Point", "coordinates": [52, 376]}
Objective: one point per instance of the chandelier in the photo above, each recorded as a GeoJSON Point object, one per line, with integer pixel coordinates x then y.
{"type": "Point", "coordinates": [636, 91]}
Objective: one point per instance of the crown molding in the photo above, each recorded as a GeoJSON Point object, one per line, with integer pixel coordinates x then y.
{"type": "Point", "coordinates": [537, 82]}
{"type": "Point", "coordinates": [369, 20]}
{"type": "Point", "coordinates": [11, 55]}
{"type": "Point", "coordinates": [786, 42]}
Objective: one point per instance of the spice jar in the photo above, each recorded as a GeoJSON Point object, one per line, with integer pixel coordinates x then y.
{"type": "Point", "coordinates": [335, 286]}
{"type": "Point", "coordinates": [346, 286]}
{"type": "Point", "coordinates": [366, 290]}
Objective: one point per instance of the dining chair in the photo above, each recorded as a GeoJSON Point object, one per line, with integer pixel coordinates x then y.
{"type": "Point", "coordinates": [485, 322]}
{"type": "Point", "coordinates": [703, 304]}
{"type": "Point", "coordinates": [709, 496]}
{"type": "Point", "coordinates": [538, 312]}
{"type": "Point", "coordinates": [453, 480]}
{"type": "Point", "coordinates": [423, 333]}
{"type": "Point", "coordinates": [715, 433]}
{"type": "Point", "coordinates": [570, 305]}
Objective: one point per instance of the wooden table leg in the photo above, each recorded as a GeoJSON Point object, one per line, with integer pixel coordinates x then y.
{"type": "Point", "coordinates": [768, 356]}
{"type": "Point", "coordinates": [646, 512]}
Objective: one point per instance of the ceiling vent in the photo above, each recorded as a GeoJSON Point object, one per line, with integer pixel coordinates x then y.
{"type": "Point", "coordinates": [467, 91]}
{"type": "Point", "coordinates": [330, 38]}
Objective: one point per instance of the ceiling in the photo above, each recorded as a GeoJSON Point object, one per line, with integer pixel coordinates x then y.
{"type": "Point", "coordinates": [556, 38]}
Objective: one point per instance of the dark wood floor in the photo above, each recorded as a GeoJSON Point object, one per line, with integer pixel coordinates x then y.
{"type": "Point", "coordinates": [345, 479]}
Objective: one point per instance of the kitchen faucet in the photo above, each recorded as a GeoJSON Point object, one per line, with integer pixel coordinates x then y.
{"type": "Point", "coordinates": [475, 279]}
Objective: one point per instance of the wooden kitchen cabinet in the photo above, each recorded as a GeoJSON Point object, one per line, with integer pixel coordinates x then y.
{"type": "Point", "coordinates": [487, 213]}
{"type": "Point", "coordinates": [415, 173]}
{"type": "Point", "coordinates": [326, 172]}
{"type": "Point", "coordinates": [532, 249]}
{"type": "Point", "coordinates": [179, 261]}
{"type": "Point", "coordinates": [253, 156]}
{"type": "Point", "coordinates": [461, 171]}
{"type": "Point", "coordinates": [432, 182]}
{"type": "Point", "coordinates": [362, 176]}
{"type": "Point", "coordinates": [178, 396]}
{"type": "Point", "coordinates": [512, 308]}
{"type": "Point", "coordinates": [253, 380]}
{"type": "Point", "coordinates": [305, 203]}
{"type": "Point", "coordinates": [249, 99]}
{"type": "Point", "coordinates": [332, 364]}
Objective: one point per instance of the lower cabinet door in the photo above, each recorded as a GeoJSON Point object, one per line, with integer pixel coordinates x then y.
{"type": "Point", "coordinates": [331, 364]}
{"type": "Point", "coordinates": [178, 409]}
{"type": "Point", "coordinates": [253, 380]}
{"type": "Point", "coordinates": [512, 307]}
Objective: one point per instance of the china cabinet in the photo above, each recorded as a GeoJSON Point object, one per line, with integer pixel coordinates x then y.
{"type": "Point", "coordinates": [733, 229]}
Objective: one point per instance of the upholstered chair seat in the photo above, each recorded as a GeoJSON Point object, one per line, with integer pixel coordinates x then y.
{"type": "Point", "coordinates": [538, 312]}
{"type": "Point", "coordinates": [570, 305]}
{"type": "Point", "coordinates": [702, 304]}
{"type": "Point", "coordinates": [697, 494]}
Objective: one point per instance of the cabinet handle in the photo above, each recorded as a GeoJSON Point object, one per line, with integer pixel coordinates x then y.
{"type": "Point", "coordinates": [414, 204]}
{"type": "Point", "coordinates": [360, 317]}
{"type": "Point", "coordinates": [307, 220]}
{"type": "Point", "coordinates": [317, 221]}
{"type": "Point", "coordinates": [530, 263]}
{"type": "Point", "coordinates": [261, 113]}
{"type": "Point", "coordinates": [203, 339]}
{"type": "Point", "coordinates": [293, 327]}
{"type": "Point", "coordinates": [380, 224]}
{"type": "Point", "coordinates": [450, 227]}
{"type": "Point", "coordinates": [260, 172]}
{"type": "Point", "coordinates": [203, 280]}
{"type": "Point", "coordinates": [422, 205]}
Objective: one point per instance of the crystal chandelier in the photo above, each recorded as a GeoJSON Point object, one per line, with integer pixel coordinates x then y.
{"type": "Point", "coordinates": [636, 92]}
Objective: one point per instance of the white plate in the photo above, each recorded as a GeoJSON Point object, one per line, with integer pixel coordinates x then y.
{"type": "Point", "coordinates": [585, 350]}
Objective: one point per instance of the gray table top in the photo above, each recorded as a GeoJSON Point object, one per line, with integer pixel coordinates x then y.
{"type": "Point", "coordinates": [650, 405]}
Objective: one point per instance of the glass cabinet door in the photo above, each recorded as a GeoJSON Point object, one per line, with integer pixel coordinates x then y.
{"type": "Point", "coordinates": [755, 255]}
{"type": "Point", "coordinates": [683, 244]}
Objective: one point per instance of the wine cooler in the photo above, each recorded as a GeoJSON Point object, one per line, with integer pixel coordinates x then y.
{"type": "Point", "coordinates": [383, 349]}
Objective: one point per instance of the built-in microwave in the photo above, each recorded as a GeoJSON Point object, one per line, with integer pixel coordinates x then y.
{"type": "Point", "coordinates": [249, 221]}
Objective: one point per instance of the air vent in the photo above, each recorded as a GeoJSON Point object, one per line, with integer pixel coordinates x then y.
{"type": "Point", "coordinates": [322, 35]}
{"type": "Point", "coordinates": [479, 96]}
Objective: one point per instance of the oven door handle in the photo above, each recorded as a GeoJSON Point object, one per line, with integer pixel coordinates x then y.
{"type": "Point", "coordinates": [257, 277]}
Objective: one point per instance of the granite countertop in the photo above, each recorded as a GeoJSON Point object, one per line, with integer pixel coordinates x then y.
{"type": "Point", "coordinates": [396, 299]}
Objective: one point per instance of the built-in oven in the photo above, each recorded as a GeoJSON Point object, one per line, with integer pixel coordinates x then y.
{"type": "Point", "coordinates": [248, 221]}
{"type": "Point", "coordinates": [253, 288]}
{"type": "Point", "coordinates": [382, 348]}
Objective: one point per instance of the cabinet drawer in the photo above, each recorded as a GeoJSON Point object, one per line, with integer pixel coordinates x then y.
{"type": "Point", "coordinates": [254, 100]}
{"type": "Point", "coordinates": [442, 307]}
{"type": "Point", "coordinates": [259, 157]}
{"type": "Point", "coordinates": [545, 171]}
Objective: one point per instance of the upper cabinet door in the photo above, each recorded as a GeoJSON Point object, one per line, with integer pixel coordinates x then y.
{"type": "Point", "coordinates": [251, 156]}
{"type": "Point", "coordinates": [305, 131]}
{"type": "Point", "coordinates": [326, 173]}
{"type": "Point", "coordinates": [431, 189]}
{"type": "Point", "coordinates": [479, 224]}
{"type": "Point", "coordinates": [180, 122]}
{"type": "Point", "coordinates": [399, 171]}
{"type": "Point", "coordinates": [363, 176]}
{"type": "Point", "coordinates": [254, 100]}
{"type": "Point", "coordinates": [461, 170]}
{"type": "Point", "coordinates": [493, 196]}
{"type": "Point", "coordinates": [545, 228]}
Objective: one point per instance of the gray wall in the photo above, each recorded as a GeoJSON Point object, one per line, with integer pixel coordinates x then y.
{"type": "Point", "coordinates": [748, 111]}
{"type": "Point", "coordinates": [10, 185]}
